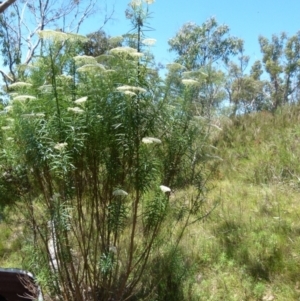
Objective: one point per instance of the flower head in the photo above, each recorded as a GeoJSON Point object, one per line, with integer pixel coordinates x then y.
{"type": "Point", "coordinates": [91, 67]}
{"type": "Point", "coordinates": [135, 3]}
{"type": "Point", "coordinates": [33, 115]}
{"type": "Point", "coordinates": [150, 140]}
{"type": "Point", "coordinates": [149, 42]}
{"type": "Point", "coordinates": [122, 50]}
{"type": "Point", "coordinates": [113, 249]}
{"type": "Point", "coordinates": [119, 192]}
{"type": "Point", "coordinates": [137, 54]}
{"type": "Point", "coordinates": [110, 71]}
{"type": "Point", "coordinates": [19, 85]}
{"type": "Point", "coordinates": [190, 82]}
{"type": "Point", "coordinates": [8, 108]}
{"type": "Point", "coordinates": [85, 59]}
{"type": "Point", "coordinates": [164, 188]}
{"type": "Point", "coordinates": [131, 88]}
{"type": "Point", "coordinates": [130, 93]}
{"type": "Point", "coordinates": [76, 110]}
{"type": "Point", "coordinates": [81, 100]}
{"type": "Point", "coordinates": [24, 97]}
{"type": "Point", "coordinates": [60, 146]}
{"type": "Point", "coordinates": [60, 36]}
{"type": "Point", "coordinates": [126, 51]}
{"type": "Point", "coordinates": [28, 115]}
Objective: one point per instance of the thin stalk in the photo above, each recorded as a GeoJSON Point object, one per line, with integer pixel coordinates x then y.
{"type": "Point", "coordinates": [53, 79]}
{"type": "Point", "coordinates": [136, 124]}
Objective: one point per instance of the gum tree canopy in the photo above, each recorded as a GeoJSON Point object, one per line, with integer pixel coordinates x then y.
{"type": "Point", "coordinates": [199, 45]}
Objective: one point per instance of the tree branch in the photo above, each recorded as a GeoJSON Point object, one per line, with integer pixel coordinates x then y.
{"type": "Point", "coordinates": [5, 5]}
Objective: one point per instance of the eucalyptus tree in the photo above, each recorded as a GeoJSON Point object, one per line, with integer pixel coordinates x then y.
{"type": "Point", "coordinates": [273, 52]}
{"type": "Point", "coordinates": [203, 49]}
{"type": "Point", "coordinates": [281, 62]}
{"type": "Point", "coordinates": [249, 95]}
{"type": "Point", "coordinates": [246, 92]}
{"type": "Point", "coordinates": [197, 46]}
{"type": "Point", "coordinates": [99, 42]}
{"type": "Point", "coordinates": [235, 80]}
{"type": "Point", "coordinates": [100, 145]}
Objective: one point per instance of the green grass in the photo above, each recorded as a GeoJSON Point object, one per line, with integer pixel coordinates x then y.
{"type": "Point", "coordinates": [248, 248]}
{"type": "Point", "coordinates": [10, 245]}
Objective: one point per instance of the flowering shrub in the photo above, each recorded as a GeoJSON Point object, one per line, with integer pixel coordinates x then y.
{"type": "Point", "coordinates": [101, 152]}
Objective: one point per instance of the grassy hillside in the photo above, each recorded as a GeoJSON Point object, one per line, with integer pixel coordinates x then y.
{"type": "Point", "coordinates": [248, 247]}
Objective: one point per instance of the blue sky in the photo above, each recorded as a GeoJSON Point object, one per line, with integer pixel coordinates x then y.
{"type": "Point", "coordinates": [247, 19]}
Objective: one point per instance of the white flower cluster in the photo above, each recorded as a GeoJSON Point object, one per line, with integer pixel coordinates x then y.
{"type": "Point", "coordinates": [150, 140]}
{"type": "Point", "coordinates": [81, 100]}
{"type": "Point", "coordinates": [113, 249]}
{"type": "Point", "coordinates": [164, 188]}
{"type": "Point", "coordinates": [84, 59]}
{"type": "Point", "coordinates": [120, 50]}
{"type": "Point", "coordinates": [137, 54]}
{"type": "Point", "coordinates": [91, 67]}
{"type": "Point", "coordinates": [126, 51]}
{"type": "Point", "coordinates": [76, 110]}
{"type": "Point", "coordinates": [19, 85]}
{"type": "Point", "coordinates": [138, 3]}
{"type": "Point", "coordinates": [60, 146]}
{"type": "Point", "coordinates": [119, 192]}
{"type": "Point", "coordinates": [39, 115]}
{"type": "Point", "coordinates": [60, 36]}
{"type": "Point", "coordinates": [24, 97]}
{"type": "Point", "coordinates": [131, 88]}
{"type": "Point", "coordinates": [110, 71]}
{"type": "Point", "coordinates": [135, 3]}
{"type": "Point", "coordinates": [129, 93]}
{"type": "Point", "coordinates": [149, 42]}
{"type": "Point", "coordinates": [190, 82]}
